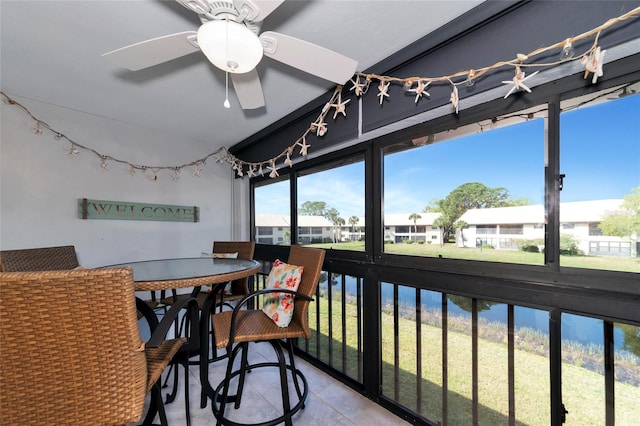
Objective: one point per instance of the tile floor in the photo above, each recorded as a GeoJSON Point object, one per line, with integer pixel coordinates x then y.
{"type": "Point", "coordinates": [329, 402]}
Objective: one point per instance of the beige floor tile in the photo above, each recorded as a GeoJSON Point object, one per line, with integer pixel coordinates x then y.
{"type": "Point", "coordinates": [329, 402]}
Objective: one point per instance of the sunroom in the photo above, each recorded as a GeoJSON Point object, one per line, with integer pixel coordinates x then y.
{"type": "Point", "coordinates": [437, 301]}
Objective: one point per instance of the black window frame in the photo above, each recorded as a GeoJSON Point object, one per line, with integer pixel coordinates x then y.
{"type": "Point", "coordinates": [550, 274]}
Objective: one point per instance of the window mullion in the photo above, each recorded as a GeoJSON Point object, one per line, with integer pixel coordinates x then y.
{"type": "Point", "coordinates": [552, 180]}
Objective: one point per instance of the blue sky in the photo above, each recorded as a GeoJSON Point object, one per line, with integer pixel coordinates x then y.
{"type": "Point", "coordinates": [600, 156]}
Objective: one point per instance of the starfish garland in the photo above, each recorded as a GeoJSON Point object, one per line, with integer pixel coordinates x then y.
{"type": "Point", "coordinates": [421, 89]}
{"type": "Point", "coordinates": [518, 81]}
{"type": "Point", "coordinates": [592, 61]}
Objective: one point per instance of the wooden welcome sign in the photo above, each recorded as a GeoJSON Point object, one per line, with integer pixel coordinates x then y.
{"type": "Point", "coordinates": [124, 210]}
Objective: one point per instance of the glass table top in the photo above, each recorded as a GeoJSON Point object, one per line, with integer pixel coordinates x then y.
{"type": "Point", "coordinates": [186, 268]}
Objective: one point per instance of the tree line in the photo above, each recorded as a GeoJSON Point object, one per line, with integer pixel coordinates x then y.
{"type": "Point", "coordinates": [475, 195]}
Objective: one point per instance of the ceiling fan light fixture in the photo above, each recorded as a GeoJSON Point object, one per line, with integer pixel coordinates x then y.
{"type": "Point", "coordinates": [243, 49]}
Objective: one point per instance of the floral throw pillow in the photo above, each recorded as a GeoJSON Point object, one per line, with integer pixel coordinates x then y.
{"type": "Point", "coordinates": [227, 287]}
{"type": "Point", "coordinates": [279, 306]}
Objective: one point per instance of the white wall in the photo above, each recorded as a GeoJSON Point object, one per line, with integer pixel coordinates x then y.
{"type": "Point", "coordinates": [40, 184]}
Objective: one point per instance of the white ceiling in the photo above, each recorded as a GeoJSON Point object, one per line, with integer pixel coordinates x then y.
{"type": "Point", "coordinates": [51, 53]}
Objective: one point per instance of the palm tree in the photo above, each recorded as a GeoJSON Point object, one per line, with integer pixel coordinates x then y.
{"type": "Point", "coordinates": [440, 223]}
{"type": "Point", "coordinates": [461, 224]}
{"type": "Point", "coordinates": [414, 217]}
{"type": "Point", "coordinates": [353, 220]}
{"type": "Point", "coordinates": [338, 222]}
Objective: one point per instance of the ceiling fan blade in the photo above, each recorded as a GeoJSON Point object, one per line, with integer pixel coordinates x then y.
{"type": "Point", "coordinates": [308, 57]}
{"type": "Point", "coordinates": [256, 10]}
{"type": "Point", "coordinates": [155, 51]}
{"type": "Point", "coordinates": [248, 89]}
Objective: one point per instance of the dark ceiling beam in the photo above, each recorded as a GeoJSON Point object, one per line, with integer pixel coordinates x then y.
{"type": "Point", "coordinates": [478, 16]}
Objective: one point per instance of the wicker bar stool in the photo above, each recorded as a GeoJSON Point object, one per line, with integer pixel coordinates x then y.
{"type": "Point", "coordinates": [57, 258]}
{"type": "Point", "coordinates": [62, 364]}
{"type": "Point", "coordinates": [234, 330]}
{"type": "Point", "coordinates": [39, 259]}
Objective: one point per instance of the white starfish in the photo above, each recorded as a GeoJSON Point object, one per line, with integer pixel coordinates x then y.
{"type": "Point", "coordinates": [104, 165]}
{"type": "Point", "coordinates": [287, 161]}
{"type": "Point", "coordinates": [272, 167]}
{"type": "Point", "coordinates": [319, 126]}
{"type": "Point", "coordinates": [340, 106]}
{"type": "Point", "coordinates": [132, 171]}
{"type": "Point", "coordinates": [252, 171]}
{"type": "Point", "coordinates": [359, 88]}
{"type": "Point", "coordinates": [382, 91]}
{"type": "Point", "coordinates": [71, 150]}
{"type": "Point", "coordinates": [421, 89]}
{"type": "Point", "coordinates": [518, 81]}
{"type": "Point", "coordinates": [175, 174]}
{"type": "Point", "coordinates": [454, 98]}
{"type": "Point", "coordinates": [304, 147]}
{"type": "Point", "coordinates": [593, 64]}
{"type": "Point", "coordinates": [197, 169]}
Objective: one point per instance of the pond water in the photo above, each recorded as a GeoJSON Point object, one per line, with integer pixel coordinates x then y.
{"type": "Point", "coordinates": [576, 328]}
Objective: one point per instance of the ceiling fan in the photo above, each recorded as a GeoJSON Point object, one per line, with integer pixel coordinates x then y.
{"type": "Point", "coordinates": [229, 39]}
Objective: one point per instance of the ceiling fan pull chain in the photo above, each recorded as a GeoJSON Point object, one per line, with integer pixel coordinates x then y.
{"type": "Point", "coordinates": [226, 90]}
{"type": "Point", "coordinates": [226, 72]}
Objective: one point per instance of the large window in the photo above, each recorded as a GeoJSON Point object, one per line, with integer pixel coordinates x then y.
{"type": "Point", "coordinates": [447, 192]}
{"type": "Point", "coordinates": [600, 198]}
{"type": "Point", "coordinates": [514, 350]}
{"type": "Point", "coordinates": [271, 207]}
{"type": "Point", "coordinates": [331, 206]}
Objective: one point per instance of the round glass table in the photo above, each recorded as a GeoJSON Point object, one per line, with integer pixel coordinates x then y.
{"type": "Point", "coordinates": [167, 274]}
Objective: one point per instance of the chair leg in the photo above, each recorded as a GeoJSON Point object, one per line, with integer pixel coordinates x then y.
{"type": "Point", "coordinates": [174, 391]}
{"type": "Point", "coordinates": [219, 413]}
{"type": "Point", "coordinates": [156, 407]}
{"type": "Point", "coordinates": [284, 385]}
{"type": "Point", "coordinates": [186, 389]}
{"type": "Point", "coordinates": [292, 363]}
{"type": "Point", "coordinates": [243, 370]}
{"type": "Point", "coordinates": [172, 396]}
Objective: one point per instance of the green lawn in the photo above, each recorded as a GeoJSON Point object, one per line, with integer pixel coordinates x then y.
{"type": "Point", "coordinates": [493, 255]}
{"type": "Point", "coordinates": [583, 390]}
